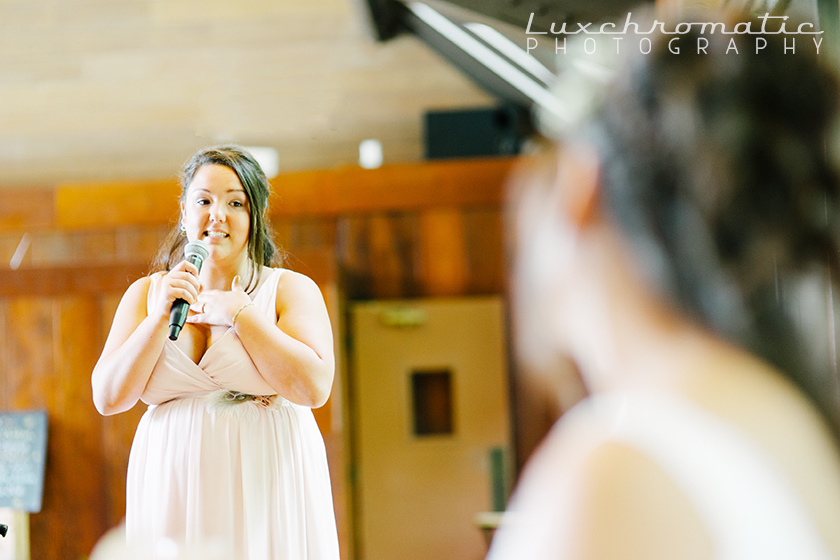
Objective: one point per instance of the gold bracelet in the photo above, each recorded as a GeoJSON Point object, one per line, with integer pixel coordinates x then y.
{"type": "Point", "coordinates": [235, 315]}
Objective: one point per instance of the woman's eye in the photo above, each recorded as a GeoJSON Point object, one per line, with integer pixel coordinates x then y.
{"type": "Point", "coordinates": [202, 202]}
{"type": "Point", "coordinates": [236, 204]}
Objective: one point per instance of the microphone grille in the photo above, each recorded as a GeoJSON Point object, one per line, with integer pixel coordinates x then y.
{"type": "Point", "coordinates": [196, 248]}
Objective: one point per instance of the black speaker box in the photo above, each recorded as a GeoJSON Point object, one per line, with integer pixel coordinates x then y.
{"type": "Point", "coordinates": [469, 133]}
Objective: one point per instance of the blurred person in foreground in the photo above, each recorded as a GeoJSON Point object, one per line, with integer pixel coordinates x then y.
{"type": "Point", "coordinates": [681, 248]}
{"type": "Point", "coordinates": [227, 456]}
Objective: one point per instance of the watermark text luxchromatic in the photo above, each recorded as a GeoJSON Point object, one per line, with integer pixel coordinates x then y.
{"type": "Point", "coordinates": [682, 28]}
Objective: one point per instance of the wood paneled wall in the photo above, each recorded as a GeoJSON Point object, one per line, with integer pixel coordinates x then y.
{"type": "Point", "coordinates": [404, 231]}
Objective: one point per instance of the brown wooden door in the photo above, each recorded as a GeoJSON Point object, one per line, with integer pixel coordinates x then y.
{"type": "Point", "coordinates": [429, 401]}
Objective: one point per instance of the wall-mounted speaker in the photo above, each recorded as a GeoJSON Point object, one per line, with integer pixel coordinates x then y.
{"type": "Point", "coordinates": [494, 131]}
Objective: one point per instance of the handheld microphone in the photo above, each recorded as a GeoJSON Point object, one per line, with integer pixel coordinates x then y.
{"type": "Point", "coordinates": [195, 252]}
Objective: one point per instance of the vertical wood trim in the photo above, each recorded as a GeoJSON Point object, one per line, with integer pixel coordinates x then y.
{"type": "Point", "coordinates": [77, 466]}
{"type": "Point", "coordinates": [485, 251]}
{"type": "Point", "coordinates": [385, 258]}
{"type": "Point", "coordinates": [443, 252]}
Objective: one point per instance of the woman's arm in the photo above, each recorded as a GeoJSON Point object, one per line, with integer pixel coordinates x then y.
{"type": "Point", "coordinates": [294, 356]}
{"type": "Point", "coordinates": [136, 339]}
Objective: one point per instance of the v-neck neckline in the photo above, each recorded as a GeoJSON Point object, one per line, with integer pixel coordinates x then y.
{"type": "Point", "coordinates": [207, 350]}
{"type": "Point", "coordinates": [229, 330]}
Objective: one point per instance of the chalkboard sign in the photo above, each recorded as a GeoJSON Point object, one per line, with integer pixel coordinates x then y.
{"type": "Point", "coordinates": [23, 451]}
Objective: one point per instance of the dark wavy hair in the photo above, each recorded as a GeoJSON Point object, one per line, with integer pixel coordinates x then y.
{"type": "Point", "coordinates": [261, 248]}
{"type": "Point", "coordinates": [717, 167]}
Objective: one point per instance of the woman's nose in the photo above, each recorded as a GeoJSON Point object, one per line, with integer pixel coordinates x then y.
{"type": "Point", "coordinates": [217, 212]}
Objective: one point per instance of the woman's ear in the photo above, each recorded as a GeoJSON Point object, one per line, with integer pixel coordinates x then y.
{"type": "Point", "coordinates": [578, 179]}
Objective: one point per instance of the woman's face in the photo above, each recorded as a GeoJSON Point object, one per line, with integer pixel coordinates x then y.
{"type": "Point", "coordinates": [216, 211]}
{"type": "Point", "coordinates": [554, 210]}
{"type": "Point", "coordinates": [540, 277]}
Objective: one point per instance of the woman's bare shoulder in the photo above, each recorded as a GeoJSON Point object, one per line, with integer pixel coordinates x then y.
{"type": "Point", "coordinates": [293, 285]}
{"type": "Point", "coordinates": [140, 287]}
{"type": "Point", "coordinates": [787, 426]}
{"type": "Point", "coordinates": [585, 496]}
{"type": "Point", "coordinates": [137, 294]}
{"type": "Point", "coordinates": [295, 277]}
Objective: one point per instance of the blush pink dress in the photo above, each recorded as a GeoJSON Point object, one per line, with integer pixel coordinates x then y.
{"type": "Point", "coordinates": [249, 478]}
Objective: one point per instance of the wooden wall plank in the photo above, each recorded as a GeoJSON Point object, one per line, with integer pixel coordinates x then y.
{"type": "Point", "coordinates": [438, 252]}
{"type": "Point", "coordinates": [56, 248]}
{"type": "Point", "coordinates": [485, 255]}
{"type": "Point", "coordinates": [33, 385]}
{"type": "Point", "coordinates": [87, 205]}
{"type": "Point", "coordinates": [27, 209]}
{"type": "Point", "coordinates": [296, 237]}
{"type": "Point", "coordinates": [59, 248]}
{"type": "Point", "coordinates": [353, 256]}
{"type": "Point", "coordinates": [139, 243]}
{"type": "Point", "coordinates": [535, 409]}
{"type": "Point", "coordinates": [444, 252]}
{"type": "Point", "coordinates": [55, 344]}
{"type": "Point", "coordinates": [76, 464]}
{"type": "Point", "coordinates": [96, 279]}
{"type": "Point", "coordinates": [390, 188]}
{"type": "Point", "coordinates": [386, 262]}
{"type": "Point", "coordinates": [29, 333]}
{"type": "Point", "coordinates": [323, 193]}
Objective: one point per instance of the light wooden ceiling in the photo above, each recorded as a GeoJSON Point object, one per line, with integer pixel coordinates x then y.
{"type": "Point", "coordinates": [127, 89]}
